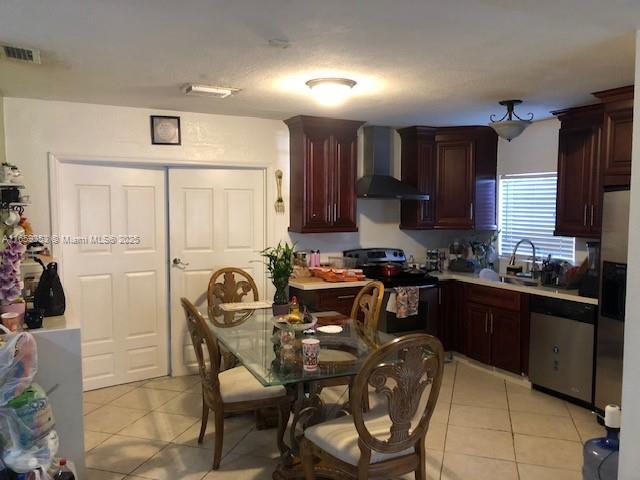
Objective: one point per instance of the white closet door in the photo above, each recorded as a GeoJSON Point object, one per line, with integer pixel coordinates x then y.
{"type": "Point", "coordinates": [116, 287]}
{"type": "Point", "coordinates": [217, 219]}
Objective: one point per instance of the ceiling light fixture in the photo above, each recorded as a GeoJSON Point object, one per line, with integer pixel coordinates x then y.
{"type": "Point", "coordinates": [331, 91]}
{"type": "Point", "coordinates": [507, 127]}
{"type": "Point", "coordinates": [209, 91]}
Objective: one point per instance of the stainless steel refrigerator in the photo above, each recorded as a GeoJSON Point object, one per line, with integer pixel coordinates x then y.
{"type": "Point", "coordinates": [613, 285]}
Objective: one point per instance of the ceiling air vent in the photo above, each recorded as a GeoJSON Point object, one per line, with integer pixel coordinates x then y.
{"type": "Point", "coordinates": [209, 91]}
{"type": "Point", "coordinates": [28, 55]}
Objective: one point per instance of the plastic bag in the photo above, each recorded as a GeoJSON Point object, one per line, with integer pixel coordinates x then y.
{"type": "Point", "coordinates": [38, 456]}
{"type": "Point", "coordinates": [18, 365]}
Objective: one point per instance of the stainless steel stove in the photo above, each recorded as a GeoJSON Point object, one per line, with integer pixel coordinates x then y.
{"type": "Point", "coordinates": [373, 262]}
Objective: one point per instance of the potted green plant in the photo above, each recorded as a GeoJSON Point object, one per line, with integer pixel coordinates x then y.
{"type": "Point", "coordinates": [279, 263]}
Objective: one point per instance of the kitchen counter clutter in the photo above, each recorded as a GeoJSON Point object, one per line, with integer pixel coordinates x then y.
{"type": "Point", "coordinates": [571, 295]}
{"type": "Point", "coordinates": [314, 283]}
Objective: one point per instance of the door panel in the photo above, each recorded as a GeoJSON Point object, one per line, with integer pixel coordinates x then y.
{"type": "Point", "coordinates": [223, 212]}
{"type": "Point", "coordinates": [454, 188]}
{"type": "Point", "coordinates": [318, 198]}
{"type": "Point", "coordinates": [116, 287]}
{"type": "Point", "coordinates": [344, 182]}
{"type": "Point", "coordinates": [505, 340]}
{"type": "Point", "coordinates": [573, 205]}
{"type": "Point", "coordinates": [478, 336]}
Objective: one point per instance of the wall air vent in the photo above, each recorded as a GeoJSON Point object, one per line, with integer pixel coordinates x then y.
{"type": "Point", "coordinates": [21, 54]}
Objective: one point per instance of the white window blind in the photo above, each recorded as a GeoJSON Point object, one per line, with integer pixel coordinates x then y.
{"type": "Point", "coordinates": [528, 210]}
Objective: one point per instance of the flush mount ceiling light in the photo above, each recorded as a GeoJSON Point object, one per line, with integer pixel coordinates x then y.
{"type": "Point", "coordinates": [508, 127]}
{"type": "Point", "coordinates": [196, 90]}
{"type": "Point", "coordinates": [331, 91]}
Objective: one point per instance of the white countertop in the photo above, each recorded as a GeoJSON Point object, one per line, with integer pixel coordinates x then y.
{"type": "Point", "coordinates": [60, 322]}
{"type": "Point", "coordinates": [571, 295]}
{"type": "Point", "coordinates": [320, 284]}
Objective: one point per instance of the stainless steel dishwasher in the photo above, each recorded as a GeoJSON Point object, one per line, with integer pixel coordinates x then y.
{"type": "Point", "coordinates": [561, 347]}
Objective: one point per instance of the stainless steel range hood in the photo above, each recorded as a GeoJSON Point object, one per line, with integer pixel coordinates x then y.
{"type": "Point", "coordinates": [377, 181]}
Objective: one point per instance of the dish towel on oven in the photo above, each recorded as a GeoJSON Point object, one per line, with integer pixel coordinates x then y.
{"type": "Point", "coordinates": [406, 301]}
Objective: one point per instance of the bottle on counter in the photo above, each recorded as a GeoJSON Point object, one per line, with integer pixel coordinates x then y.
{"type": "Point", "coordinates": [62, 471]}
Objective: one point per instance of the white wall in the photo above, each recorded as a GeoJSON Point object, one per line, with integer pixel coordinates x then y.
{"type": "Point", "coordinates": [1, 130]}
{"type": "Point", "coordinates": [535, 151]}
{"type": "Point", "coordinates": [36, 127]}
{"type": "Point", "coordinates": [630, 440]}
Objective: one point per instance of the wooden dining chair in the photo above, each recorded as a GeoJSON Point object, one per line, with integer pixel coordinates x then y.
{"type": "Point", "coordinates": [231, 391]}
{"type": "Point", "coordinates": [408, 372]}
{"type": "Point", "coordinates": [368, 305]}
{"type": "Point", "coordinates": [234, 285]}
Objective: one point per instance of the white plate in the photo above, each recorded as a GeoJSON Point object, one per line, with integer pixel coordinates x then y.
{"type": "Point", "coordinates": [330, 329]}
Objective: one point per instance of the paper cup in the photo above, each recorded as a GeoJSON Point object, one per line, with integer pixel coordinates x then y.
{"type": "Point", "coordinates": [310, 353]}
{"type": "Point", "coordinates": [11, 320]}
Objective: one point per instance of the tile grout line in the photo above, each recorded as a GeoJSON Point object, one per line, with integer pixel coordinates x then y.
{"type": "Point", "coordinates": [446, 432]}
{"type": "Point", "coordinates": [513, 433]}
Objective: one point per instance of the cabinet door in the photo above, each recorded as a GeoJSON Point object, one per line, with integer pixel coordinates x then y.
{"type": "Point", "coordinates": [344, 182]}
{"type": "Point", "coordinates": [420, 214]}
{"type": "Point", "coordinates": [432, 298]}
{"type": "Point", "coordinates": [318, 177]}
{"type": "Point", "coordinates": [478, 335]}
{"type": "Point", "coordinates": [505, 340]}
{"type": "Point", "coordinates": [576, 154]}
{"type": "Point", "coordinates": [618, 133]}
{"type": "Point", "coordinates": [454, 184]}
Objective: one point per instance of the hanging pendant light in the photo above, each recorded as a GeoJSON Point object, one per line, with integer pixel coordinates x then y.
{"type": "Point", "coordinates": [508, 127]}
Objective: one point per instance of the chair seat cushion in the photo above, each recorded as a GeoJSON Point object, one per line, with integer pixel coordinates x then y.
{"type": "Point", "coordinates": [239, 385]}
{"type": "Point", "coordinates": [339, 438]}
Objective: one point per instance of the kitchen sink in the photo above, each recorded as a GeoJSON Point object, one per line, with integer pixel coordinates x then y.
{"type": "Point", "coordinates": [524, 280]}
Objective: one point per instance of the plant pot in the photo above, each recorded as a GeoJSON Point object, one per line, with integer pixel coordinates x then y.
{"type": "Point", "coordinates": [280, 310]}
{"type": "Point", "coordinates": [19, 308]}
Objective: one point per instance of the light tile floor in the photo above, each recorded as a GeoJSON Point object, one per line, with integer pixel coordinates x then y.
{"type": "Point", "coordinates": [483, 428]}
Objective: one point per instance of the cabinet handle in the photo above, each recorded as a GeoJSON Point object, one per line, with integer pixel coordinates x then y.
{"type": "Point", "coordinates": [344, 297]}
{"type": "Point", "coordinates": [486, 323]}
{"type": "Point", "coordinates": [592, 210]}
{"type": "Point", "coordinates": [471, 211]}
{"type": "Point", "coordinates": [439, 296]}
{"type": "Point", "coordinates": [491, 323]}
{"type": "Point", "coordinates": [584, 215]}
{"type": "Point", "coordinates": [335, 211]}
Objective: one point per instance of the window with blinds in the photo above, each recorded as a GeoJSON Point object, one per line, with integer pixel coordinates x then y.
{"type": "Point", "coordinates": [528, 210]}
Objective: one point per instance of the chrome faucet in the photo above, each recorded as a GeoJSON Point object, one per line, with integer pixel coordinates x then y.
{"type": "Point", "coordinates": [512, 259]}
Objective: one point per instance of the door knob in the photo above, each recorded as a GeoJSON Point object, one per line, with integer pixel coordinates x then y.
{"type": "Point", "coordinates": [179, 263]}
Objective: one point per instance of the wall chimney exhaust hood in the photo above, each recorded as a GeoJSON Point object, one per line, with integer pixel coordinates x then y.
{"type": "Point", "coordinates": [377, 181]}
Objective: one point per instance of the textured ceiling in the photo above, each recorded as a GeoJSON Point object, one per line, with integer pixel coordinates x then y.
{"type": "Point", "coordinates": [416, 61]}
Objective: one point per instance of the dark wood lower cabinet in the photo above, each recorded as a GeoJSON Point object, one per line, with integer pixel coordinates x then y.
{"type": "Point", "coordinates": [497, 327]}
{"type": "Point", "coordinates": [331, 299]}
{"type": "Point", "coordinates": [505, 340]}
{"type": "Point", "coordinates": [479, 344]}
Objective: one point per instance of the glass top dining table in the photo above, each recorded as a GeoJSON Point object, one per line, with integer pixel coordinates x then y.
{"type": "Point", "coordinates": [254, 339]}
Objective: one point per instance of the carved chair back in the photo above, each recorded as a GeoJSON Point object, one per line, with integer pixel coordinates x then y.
{"type": "Point", "coordinates": [368, 304]}
{"type": "Point", "coordinates": [207, 351]}
{"type": "Point", "coordinates": [233, 287]}
{"type": "Point", "coordinates": [400, 371]}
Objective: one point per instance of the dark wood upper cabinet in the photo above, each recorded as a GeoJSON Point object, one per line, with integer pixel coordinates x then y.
{"type": "Point", "coordinates": [323, 159]}
{"type": "Point", "coordinates": [617, 137]}
{"type": "Point", "coordinates": [418, 168]}
{"type": "Point", "coordinates": [454, 184]}
{"type": "Point", "coordinates": [456, 166]}
{"type": "Point", "coordinates": [579, 194]}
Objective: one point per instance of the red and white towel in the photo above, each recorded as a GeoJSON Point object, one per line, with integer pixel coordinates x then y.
{"type": "Point", "coordinates": [404, 301]}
